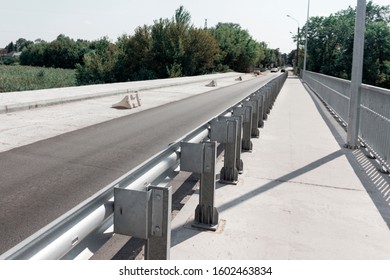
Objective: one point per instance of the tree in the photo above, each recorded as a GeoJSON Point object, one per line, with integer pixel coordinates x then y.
{"type": "Point", "coordinates": [136, 62]}
{"type": "Point", "coordinates": [63, 52]}
{"type": "Point", "coordinates": [377, 55]}
{"type": "Point", "coordinates": [10, 47]}
{"type": "Point", "coordinates": [169, 40]}
{"type": "Point", "coordinates": [202, 53]}
{"type": "Point", "coordinates": [183, 18]}
{"type": "Point", "coordinates": [270, 59]}
{"type": "Point", "coordinates": [34, 54]}
{"type": "Point", "coordinates": [238, 50]}
{"type": "Point", "coordinates": [330, 44]}
{"type": "Point", "coordinates": [99, 64]}
{"type": "Point", "coordinates": [22, 43]}
{"type": "Point", "coordinates": [160, 50]}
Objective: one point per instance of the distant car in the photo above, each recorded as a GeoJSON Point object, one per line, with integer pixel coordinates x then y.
{"type": "Point", "coordinates": [283, 70]}
{"type": "Point", "coordinates": [274, 70]}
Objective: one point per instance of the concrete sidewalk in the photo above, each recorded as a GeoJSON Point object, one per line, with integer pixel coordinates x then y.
{"type": "Point", "coordinates": [25, 100]}
{"type": "Point", "coordinates": [90, 105]}
{"type": "Point", "coordinates": [302, 196]}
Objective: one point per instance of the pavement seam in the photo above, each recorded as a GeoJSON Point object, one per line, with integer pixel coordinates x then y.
{"type": "Point", "coordinates": [308, 184]}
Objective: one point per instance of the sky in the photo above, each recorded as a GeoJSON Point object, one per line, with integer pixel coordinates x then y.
{"type": "Point", "coordinates": [265, 20]}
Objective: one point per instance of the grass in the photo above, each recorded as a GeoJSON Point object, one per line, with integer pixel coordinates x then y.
{"type": "Point", "coordinates": [19, 78]}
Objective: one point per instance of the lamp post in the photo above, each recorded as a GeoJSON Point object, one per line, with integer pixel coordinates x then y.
{"type": "Point", "coordinates": [307, 23]}
{"type": "Point", "coordinates": [297, 60]}
{"type": "Point", "coordinates": [356, 78]}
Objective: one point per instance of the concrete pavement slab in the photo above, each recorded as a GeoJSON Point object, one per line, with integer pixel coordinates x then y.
{"type": "Point", "coordinates": [299, 197]}
{"type": "Point", "coordinates": [28, 126]}
{"type": "Point", "coordinates": [24, 100]}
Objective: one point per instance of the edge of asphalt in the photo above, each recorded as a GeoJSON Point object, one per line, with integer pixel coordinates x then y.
{"type": "Point", "coordinates": [42, 98]}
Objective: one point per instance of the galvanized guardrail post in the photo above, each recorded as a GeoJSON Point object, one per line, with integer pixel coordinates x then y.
{"type": "Point", "coordinates": [267, 96]}
{"type": "Point", "coordinates": [145, 214]}
{"type": "Point", "coordinates": [254, 104]}
{"type": "Point", "coordinates": [159, 243]}
{"type": "Point", "coordinates": [260, 97]}
{"type": "Point", "coordinates": [246, 113]}
{"type": "Point", "coordinates": [239, 163]}
{"type": "Point", "coordinates": [225, 130]}
{"type": "Point", "coordinates": [201, 158]}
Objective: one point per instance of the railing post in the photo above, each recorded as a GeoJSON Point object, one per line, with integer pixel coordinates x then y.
{"type": "Point", "coordinates": [268, 93]}
{"type": "Point", "coordinates": [246, 113]}
{"type": "Point", "coordinates": [260, 97]}
{"type": "Point", "coordinates": [201, 158]}
{"type": "Point", "coordinates": [254, 104]}
{"type": "Point", "coordinates": [239, 163]}
{"type": "Point", "coordinates": [226, 130]}
{"type": "Point", "coordinates": [158, 245]}
{"type": "Point", "coordinates": [263, 93]}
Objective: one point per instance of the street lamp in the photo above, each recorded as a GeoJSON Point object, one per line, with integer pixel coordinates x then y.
{"type": "Point", "coordinates": [307, 23]}
{"type": "Point", "coordinates": [297, 43]}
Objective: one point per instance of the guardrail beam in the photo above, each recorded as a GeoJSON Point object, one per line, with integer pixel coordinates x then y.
{"type": "Point", "coordinates": [69, 232]}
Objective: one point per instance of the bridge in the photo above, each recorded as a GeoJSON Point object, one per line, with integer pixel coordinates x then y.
{"type": "Point", "coordinates": [300, 195]}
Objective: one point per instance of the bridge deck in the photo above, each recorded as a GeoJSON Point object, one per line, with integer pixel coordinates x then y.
{"type": "Point", "coordinates": [302, 195]}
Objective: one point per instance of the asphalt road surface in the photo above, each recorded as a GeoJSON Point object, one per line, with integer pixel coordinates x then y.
{"type": "Point", "coordinates": [41, 181]}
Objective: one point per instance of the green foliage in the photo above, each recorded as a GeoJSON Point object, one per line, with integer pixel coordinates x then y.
{"type": "Point", "coordinates": [19, 45]}
{"type": "Point", "coordinates": [60, 53]}
{"type": "Point", "coordinates": [238, 50]}
{"type": "Point", "coordinates": [202, 52]}
{"type": "Point", "coordinates": [174, 48]}
{"type": "Point", "coordinates": [168, 48]}
{"type": "Point", "coordinates": [99, 64]}
{"type": "Point", "coordinates": [330, 44]}
{"type": "Point", "coordinates": [135, 62]}
{"type": "Point", "coordinates": [19, 78]}
{"type": "Point", "coordinates": [8, 60]}
{"type": "Point", "coordinates": [377, 54]}
{"type": "Point", "coordinates": [161, 48]}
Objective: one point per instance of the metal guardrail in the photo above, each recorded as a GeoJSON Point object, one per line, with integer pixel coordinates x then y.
{"type": "Point", "coordinates": [374, 128]}
{"type": "Point", "coordinates": [67, 236]}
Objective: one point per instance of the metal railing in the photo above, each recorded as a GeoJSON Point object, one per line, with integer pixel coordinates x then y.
{"type": "Point", "coordinates": [71, 233]}
{"type": "Point", "coordinates": [374, 128]}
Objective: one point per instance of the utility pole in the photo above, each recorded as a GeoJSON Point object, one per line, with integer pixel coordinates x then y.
{"type": "Point", "coordinates": [356, 76]}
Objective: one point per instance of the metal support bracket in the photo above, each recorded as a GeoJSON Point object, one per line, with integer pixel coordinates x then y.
{"type": "Point", "coordinates": [201, 158]}
{"type": "Point", "coordinates": [267, 96]}
{"type": "Point", "coordinates": [227, 130]}
{"type": "Point", "coordinates": [258, 96]}
{"type": "Point", "coordinates": [158, 245]}
{"type": "Point", "coordinates": [255, 116]}
{"type": "Point", "coordinates": [145, 214]}
{"type": "Point", "coordinates": [239, 163]}
{"type": "Point", "coordinates": [246, 113]}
